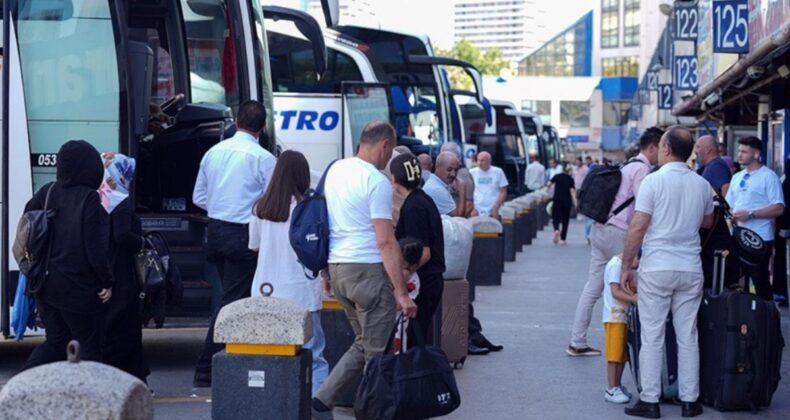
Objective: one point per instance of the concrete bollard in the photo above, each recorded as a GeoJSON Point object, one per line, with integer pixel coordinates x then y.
{"type": "Point", "coordinates": [487, 263]}
{"type": "Point", "coordinates": [75, 390]}
{"type": "Point", "coordinates": [525, 216]}
{"type": "Point", "coordinates": [263, 373]}
{"type": "Point", "coordinates": [509, 212]}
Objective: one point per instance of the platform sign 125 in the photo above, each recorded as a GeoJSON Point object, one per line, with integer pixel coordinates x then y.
{"type": "Point", "coordinates": [686, 72]}
{"type": "Point", "coordinates": [731, 26]}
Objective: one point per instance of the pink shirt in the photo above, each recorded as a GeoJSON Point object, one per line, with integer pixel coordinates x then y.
{"type": "Point", "coordinates": [633, 174]}
{"type": "Point", "coordinates": [579, 173]}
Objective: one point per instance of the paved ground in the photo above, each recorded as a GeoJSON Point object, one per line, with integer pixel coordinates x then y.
{"type": "Point", "coordinates": [532, 378]}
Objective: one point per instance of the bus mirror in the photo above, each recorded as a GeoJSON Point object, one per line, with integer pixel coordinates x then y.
{"type": "Point", "coordinates": [45, 9]}
{"type": "Point", "coordinates": [331, 9]}
{"type": "Point", "coordinates": [489, 112]}
{"type": "Point", "coordinates": [141, 70]}
{"type": "Point", "coordinates": [308, 27]}
{"type": "Point", "coordinates": [477, 78]}
{"type": "Point", "coordinates": [212, 8]}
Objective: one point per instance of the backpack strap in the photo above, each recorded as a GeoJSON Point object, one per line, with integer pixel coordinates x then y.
{"type": "Point", "coordinates": [622, 207]}
{"type": "Point", "coordinates": [630, 200]}
{"type": "Point", "coordinates": [319, 189]}
{"type": "Point", "coordinates": [46, 198]}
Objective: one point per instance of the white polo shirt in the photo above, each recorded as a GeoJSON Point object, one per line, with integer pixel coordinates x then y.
{"type": "Point", "coordinates": [677, 199]}
{"type": "Point", "coordinates": [753, 191]}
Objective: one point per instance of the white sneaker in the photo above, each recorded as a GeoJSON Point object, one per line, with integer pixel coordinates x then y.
{"type": "Point", "coordinates": [556, 238]}
{"type": "Point", "coordinates": [615, 395]}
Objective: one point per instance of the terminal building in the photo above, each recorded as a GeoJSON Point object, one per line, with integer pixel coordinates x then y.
{"type": "Point", "coordinates": [583, 80]}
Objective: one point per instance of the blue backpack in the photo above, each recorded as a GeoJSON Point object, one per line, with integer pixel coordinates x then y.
{"type": "Point", "coordinates": [309, 232]}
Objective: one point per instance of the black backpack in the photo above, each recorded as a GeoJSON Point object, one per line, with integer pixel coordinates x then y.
{"type": "Point", "coordinates": [309, 231]}
{"type": "Point", "coordinates": [598, 191]}
{"type": "Point", "coordinates": [32, 244]}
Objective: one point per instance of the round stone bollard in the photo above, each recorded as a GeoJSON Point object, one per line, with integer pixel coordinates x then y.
{"type": "Point", "coordinates": [487, 262]}
{"type": "Point", "coordinates": [75, 390]}
{"type": "Point", "coordinates": [509, 212]}
{"type": "Point", "coordinates": [263, 373]}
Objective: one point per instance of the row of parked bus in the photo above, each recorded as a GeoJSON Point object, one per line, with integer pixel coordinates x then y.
{"type": "Point", "coordinates": [160, 80]}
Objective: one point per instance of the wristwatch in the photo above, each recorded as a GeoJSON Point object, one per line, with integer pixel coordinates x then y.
{"type": "Point", "coordinates": [751, 215]}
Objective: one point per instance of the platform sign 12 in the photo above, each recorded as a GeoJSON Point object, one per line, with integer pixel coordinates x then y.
{"type": "Point", "coordinates": [686, 72]}
{"type": "Point", "coordinates": [731, 26]}
{"type": "Point", "coordinates": [665, 96]}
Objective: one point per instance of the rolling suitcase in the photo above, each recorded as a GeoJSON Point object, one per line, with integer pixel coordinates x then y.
{"type": "Point", "coordinates": [669, 369]}
{"type": "Point", "coordinates": [740, 341]}
{"type": "Point", "coordinates": [455, 321]}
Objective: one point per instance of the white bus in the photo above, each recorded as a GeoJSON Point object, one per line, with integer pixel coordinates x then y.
{"type": "Point", "coordinates": [371, 74]}
{"type": "Point", "coordinates": [100, 70]}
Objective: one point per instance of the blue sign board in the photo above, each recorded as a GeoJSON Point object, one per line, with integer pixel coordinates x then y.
{"type": "Point", "coordinates": [652, 80]}
{"type": "Point", "coordinates": [685, 21]}
{"type": "Point", "coordinates": [686, 72]}
{"type": "Point", "coordinates": [664, 96]}
{"type": "Point", "coordinates": [731, 26]}
{"type": "Point", "coordinates": [578, 139]}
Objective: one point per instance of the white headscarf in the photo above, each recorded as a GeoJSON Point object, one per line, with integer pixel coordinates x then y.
{"type": "Point", "coordinates": [121, 171]}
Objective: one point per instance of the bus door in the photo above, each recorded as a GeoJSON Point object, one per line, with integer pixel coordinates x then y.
{"type": "Point", "coordinates": [362, 103]}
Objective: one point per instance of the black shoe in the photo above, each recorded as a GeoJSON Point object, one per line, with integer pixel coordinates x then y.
{"type": "Point", "coordinates": [644, 409]}
{"type": "Point", "coordinates": [473, 350]}
{"type": "Point", "coordinates": [202, 380]}
{"type": "Point", "coordinates": [483, 342]}
{"type": "Point", "coordinates": [692, 409]}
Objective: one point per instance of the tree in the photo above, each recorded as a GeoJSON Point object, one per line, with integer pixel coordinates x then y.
{"type": "Point", "coordinates": [489, 62]}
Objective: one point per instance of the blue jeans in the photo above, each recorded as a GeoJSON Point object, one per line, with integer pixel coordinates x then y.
{"type": "Point", "coordinates": [316, 346]}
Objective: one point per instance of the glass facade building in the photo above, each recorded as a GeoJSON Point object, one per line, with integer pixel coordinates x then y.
{"type": "Point", "coordinates": [567, 54]}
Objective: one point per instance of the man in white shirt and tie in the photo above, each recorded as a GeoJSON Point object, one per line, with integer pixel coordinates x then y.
{"type": "Point", "coordinates": [233, 175]}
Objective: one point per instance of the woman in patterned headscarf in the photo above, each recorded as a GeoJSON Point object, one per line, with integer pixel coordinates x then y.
{"type": "Point", "coordinates": [123, 341]}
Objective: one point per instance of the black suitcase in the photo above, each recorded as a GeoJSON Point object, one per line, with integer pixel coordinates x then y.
{"type": "Point", "coordinates": [669, 368]}
{"type": "Point", "coordinates": [740, 341]}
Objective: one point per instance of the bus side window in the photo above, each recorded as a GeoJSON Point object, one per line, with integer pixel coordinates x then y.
{"type": "Point", "coordinates": [163, 82]}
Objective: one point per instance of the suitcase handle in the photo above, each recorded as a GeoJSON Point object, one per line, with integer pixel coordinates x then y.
{"type": "Point", "coordinates": [719, 266]}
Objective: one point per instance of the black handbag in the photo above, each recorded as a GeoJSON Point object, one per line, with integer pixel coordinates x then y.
{"type": "Point", "coordinates": [415, 384]}
{"type": "Point", "coordinates": [150, 268]}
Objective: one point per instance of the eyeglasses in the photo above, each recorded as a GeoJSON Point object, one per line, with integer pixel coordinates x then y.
{"type": "Point", "coordinates": [743, 181]}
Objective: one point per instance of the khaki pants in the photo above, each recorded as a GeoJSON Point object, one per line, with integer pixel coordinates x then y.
{"type": "Point", "coordinates": [658, 293]}
{"type": "Point", "coordinates": [606, 242]}
{"type": "Point", "coordinates": [366, 294]}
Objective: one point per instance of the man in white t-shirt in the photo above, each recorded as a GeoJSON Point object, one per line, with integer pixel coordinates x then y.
{"type": "Point", "coordinates": [490, 186]}
{"type": "Point", "coordinates": [673, 203]}
{"type": "Point", "coordinates": [364, 258]}
{"type": "Point", "coordinates": [756, 198]}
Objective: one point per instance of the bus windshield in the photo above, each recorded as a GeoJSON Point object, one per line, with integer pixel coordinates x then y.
{"type": "Point", "coordinates": [416, 97]}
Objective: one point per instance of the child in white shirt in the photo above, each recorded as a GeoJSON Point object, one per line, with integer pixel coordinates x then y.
{"type": "Point", "coordinates": [616, 301]}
